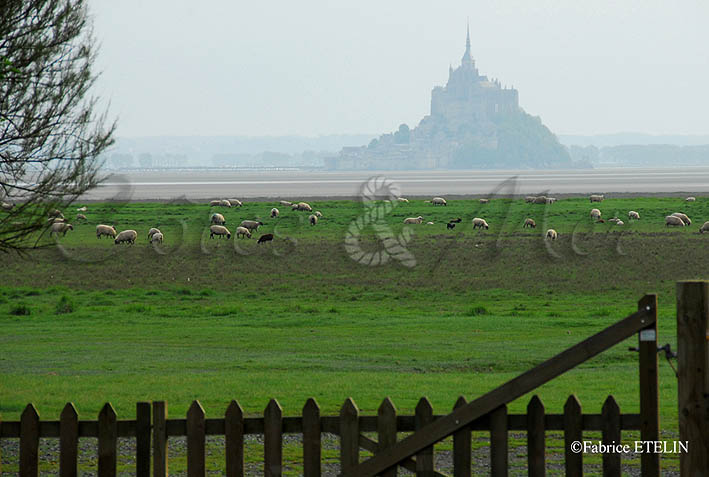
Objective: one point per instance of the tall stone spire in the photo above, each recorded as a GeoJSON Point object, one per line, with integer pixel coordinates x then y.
{"type": "Point", "coordinates": [467, 56]}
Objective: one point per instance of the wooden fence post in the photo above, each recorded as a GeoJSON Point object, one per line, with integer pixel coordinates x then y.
{"type": "Point", "coordinates": [29, 442]}
{"type": "Point", "coordinates": [649, 389]}
{"type": "Point", "coordinates": [693, 370]}
{"type": "Point", "coordinates": [349, 435]}
{"type": "Point", "coordinates": [462, 447]}
{"type": "Point", "coordinates": [107, 441]}
{"type": "Point", "coordinates": [273, 439]}
{"type": "Point", "coordinates": [573, 432]}
{"type": "Point", "coordinates": [68, 441]}
{"type": "Point", "coordinates": [312, 432]}
{"type": "Point", "coordinates": [386, 430]}
{"type": "Point", "coordinates": [142, 439]}
{"type": "Point", "coordinates": [610, 414]}
{"type": "Point", "coordinates": [536, 448]}
{"type": "Point", "coordinates": [498, 442]}
{"type": "Point", "coordinates": [234, 440]}
{"type": "Point", "coordinates": [159, 439]}
{"type": "Point", "coordinates": [423, 417]}
{"type": "Point", "coordinates": [196, 439]}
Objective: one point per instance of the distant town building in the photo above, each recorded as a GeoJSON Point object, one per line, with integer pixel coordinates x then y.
{"type": "Point", "coordinates": [475, 122]}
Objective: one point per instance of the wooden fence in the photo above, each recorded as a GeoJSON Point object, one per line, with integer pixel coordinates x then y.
{"type": "Point", "coordinates": [349, 425]}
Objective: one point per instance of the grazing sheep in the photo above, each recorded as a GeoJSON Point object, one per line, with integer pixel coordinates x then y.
{"type": "Point", "coordinates": [60, 228]}
{"type": "Point", "coordinates": [684, 218]}
{"type": "Point", "coordinates": [55, 220]}
{"type": "Point", "coordinates": [156, 238]}
{"type": "Point", "coordinates": [286, 203]}
{"type": "Point", "coordinates": [152, 232]}
{"type": "Point", "coordinates": [484, 201]}
{"type": "Point", "coordinates": [529, 223]}
{"type": "Point", "coordinates": [614, 220]}
{"type": "Point", "coordinates": [318, 214]}
{"type": "Point", "coordinates": [7, 206]}
{"type": "Point", "coordinates": [595, 214]}
{"type": "Point", "coordinates": [401, 199]}
{"type": "Point", "coordinates": [215, 203]}
{"type": "Point", "coordinates": [313, 219]}
{"type": "Point", "coordinates": [429, 223]}
{"type": "Point", "coordinates": [220, 231]}
{"type": "Point", "coordinates": [480, 223]}
{"type": "Point", "coordinates": [218, 219]}
{"type": "Point", "coordinates": [551, 234]}
{"type": "Point", "coordinates": [414, 220]}
{"type": "Point", "coordinates": [529, 199]}
{"type": "Point", "coordinates": [633, 215]}
{"type": "Point", "coordinates": [129, 236]}
{"type": "Point", "coordinates": [674, 221]}
{"type": "Point", "coordinates": [596, 198]}
{"type": "Point", "coordinates": [82, 209]}
{"type": "Point", "coordinates": [243, 232]}
{"type": "Point", "coordinates": [438, 201]}
{"type": "Point", "coordinates": [690, 199]}
{"type": "Point", "coordinates": [107, 230]}
{"type": "Point", "coordinates": [542, 199]}
{"type": "Point", "coordinates": [235, 202]}
{"type": "Point", "coordinates": [274, 213]}
{"type": "Point", "coordinates": [450, 225]}
{"type": "Point", "coordinates": [619, 222]}
{"type": "Point", "coordinates": [251, 224]}
{"type": "Point", "coordinates": [456, 220]}
{"type": "Point", "coordinates": [551, 200]}
{"type": "Point", "coordinates": [302, 206]}
{"type": "Point", "coordinates": [56, 214]}
{"type": "Point", "coordinates": [81, 217]}
{"type": "Point", "coordinates": [265, 238]}
{"type": "Point", "coordinates": [225, 203]}
{"type": "Point", "coordinates": [704, 228]}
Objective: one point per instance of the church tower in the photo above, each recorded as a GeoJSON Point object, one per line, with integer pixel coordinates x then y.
{"type": "Point", "coordinates": [467, 60]}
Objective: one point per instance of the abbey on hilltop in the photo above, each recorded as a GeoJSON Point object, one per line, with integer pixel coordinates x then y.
{"type": "Point", "coordinates": [474, 123]}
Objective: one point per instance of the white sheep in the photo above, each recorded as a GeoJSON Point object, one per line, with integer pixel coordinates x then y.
{"type": "Point", "coordinates": [81, 217]}
{"type": "Point", "coordinates": [685, 219]}
{"type": "Point", "coordinates": [129, 236]}
{"type": "Point", "coordinates": [438, 201]}
{"type": "Point", "coordinates": [596, 198]}
{"type": "Point", "coordinates": [551, 200]}
{"type": "Point", "coordinates": [704, 228]}
{"type": "Point", "coordinates": [235, 202]}
{"type": "Point", "coordinates": [152, 232]}
{"type": "Point", "coordinates": [7, 206]}
{"type": "Point", "coordinates": [690, 199]}
{"type": "Point", "coordinates": [429, 223]}
{"type": "Point", "coordinates": [595, 214]}
{"type": "Point", "coordinates": [529, 223]}
{"type": "Point", "coordinates": [56, 214]}
{"type": "Point", "coordinates": [225, 203]}
{"type": "Point", "coordinates": [313, 219]}
{"type": "Point", "coordinates": [551, 234]}
{"type": "Point", "coordinates": [220, 231]}
{"type": "Point", "coordinates": [107, 230]}
{"type": "Point", "coordinates": [60, 228]}
{"type": "Point", "coordinates": [286, 203]}
{"type": "Point", "coordinates": [413, 220]}
{"type": "Point", "coordinates": [215, 203]}
{"type": "Point", "coordinates": [620, 222]}
{"type": "Point", "coordinates": [529, 199]}
{"type": "Point", "coordinates": [243, 232]}
{"type": "Point", "coordinates": [542, 199]}
{"type": "Point", "coordinates": [401, 199]}
{"type": "Point", "coordinates": [82, 209]}
{"type": "Point", "coordinates": [274, 213]}
{"type": "Point", "coordinates": [302, 206]}
{"type": "Point", "coordinates": [318, 214]}
{"type": "Point", "coordinates": [484, 201]}
{"type": "Point", "coordinates": [614, 220]}
{"type": "Point", "coordinates": [218, 219]}
{"type": "Point", "coordinates": [480, 223]}
{"type": "Point", "coordinates": [674, 221]}
{"type": "Point", "coordinates": [633, 215]}
{"type": "Point", "coordinates": [251, 224]}
{"type": "Point", "coordinates": [156, 238]}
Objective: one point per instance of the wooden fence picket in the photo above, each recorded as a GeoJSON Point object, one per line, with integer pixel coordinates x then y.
{"type": "Point", "coordinates": [196, 440]}
{"type": "Point", "coordinates": [234, 440]}
{"type": "Point", "coordinates": [462, 447]}
{"type": "Point", "coordinates": [68, 441]}
{"type": "Point", "coordinates": [386, 430]}
{"type": "Point", "coordinates": [349, 435]}
{"type": "Point", "coordinates": [273, 439]}
{"type": "Point", "coordinates": [29, 442]}
{"type": "Point", "coordinates": [535, 438]}
{"type": "Point", "coordinates": [424, 459]}
{"type": "Point", "coordinates": [312, 446]}
{"type": "Point", "coordinates": [610, 436]}
{"type": "Point", "coordinates": [142, 439]}
{"type": "Point", "coordinates": [573, 432]}
{"type": "Point", "coordinates": [159, 439]}
{"type": "Point", "coordinates": [107, 441]}
{"type": "Point", "coordinates": [498, 442]}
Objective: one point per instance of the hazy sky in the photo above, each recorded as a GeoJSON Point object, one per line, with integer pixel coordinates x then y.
{"type": "Point", "coordinates": [226, 67]}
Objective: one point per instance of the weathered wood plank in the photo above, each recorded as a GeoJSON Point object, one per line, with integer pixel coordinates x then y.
{"type": "Point", "coordinates": [536, 449]}
{"type": "Point", "coordinates": [462, 447]}
{"type": "Point", "coordinates": [423, 417]}
{"type": "Point", "coordinates": [234, 440]}
{"type": "Point", "coordinates": [196, 439]}
{"type": "Point", "coordinates": [499, 442]}
{"type": "Point", "coordinates": [349, 436]}
{"type": "Point", "coordinates": [312, 446]}
{"type": "Point", "coordinates": [142, 439]}
{"type": "Point", "coordinates": [509, 391]}
{"type": "Point", "coordinates": [573, 432]}
{"type": "Point", "coordinates": [408, 464]}
{"type": "Point", "coordinates": [107, 441]}
{"type": "Point", "coordinates": [693, 370]}
{"type": "Point", "coordinates": [649, 389]}
{"type": "Point", "coordinates": [29, 442]}
{"type": "Point", "coordinates": [160, 439]}
{"type": "Point", "coordinates": [386, 431]}
{"type": "Point", "coordinates": [611, 436]}
{"type": "Point", "coordinates": [68, 441]}
{"type": "Point", "coordinates": [273, 439]}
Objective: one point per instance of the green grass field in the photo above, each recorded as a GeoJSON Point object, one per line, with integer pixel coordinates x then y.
{"type": "Point", "coordinates": [216, 320]}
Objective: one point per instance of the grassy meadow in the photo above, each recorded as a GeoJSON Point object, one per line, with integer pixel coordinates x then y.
{"type": "Point", "coordinates": [88, 321]}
